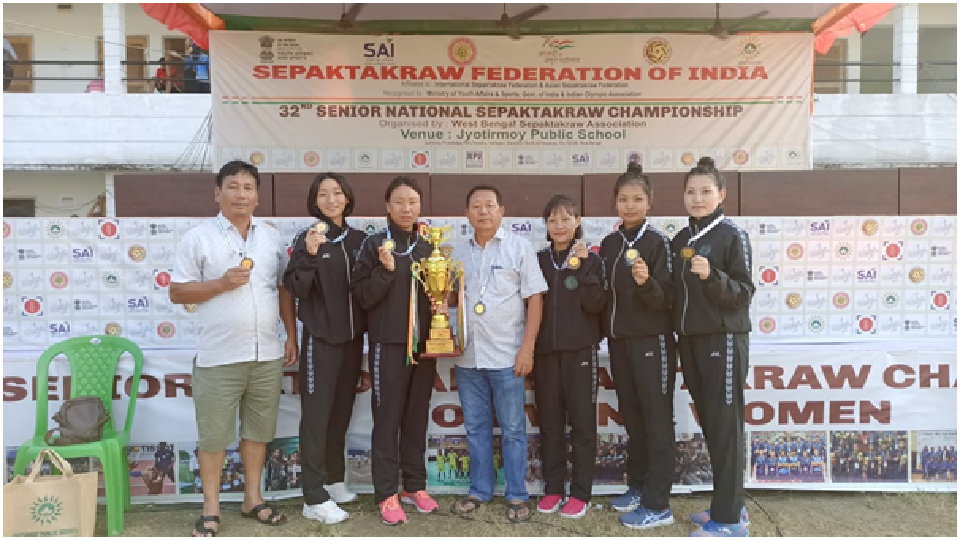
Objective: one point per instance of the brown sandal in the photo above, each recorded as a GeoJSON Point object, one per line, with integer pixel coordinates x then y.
{"type": "Point", "coordinates": [458, 507]}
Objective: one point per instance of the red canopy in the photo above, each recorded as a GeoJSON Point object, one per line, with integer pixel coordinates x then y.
{"type": "Point", "coordinates": [193, 20]}
{"type": "Point", "coordinates": [844, 18]}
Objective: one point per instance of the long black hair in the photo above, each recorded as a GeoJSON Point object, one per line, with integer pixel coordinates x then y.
{"type": "Point", "coordinates": [312, 208]}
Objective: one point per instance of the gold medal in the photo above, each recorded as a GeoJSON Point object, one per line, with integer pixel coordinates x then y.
{"type": "Point", "coordinates": [631, 255]}
{"type": "Point", "coordinates": [389, 244]}
{"type": "Point", "coordinates": [574, 263]}
{"type": "Point", "coordinates": [247, 263]}
{"type": "Point", "coordinates": [686, 253]}
{"type": "Point", "coordinates": [479, 308]}
{"type": "Point", "coordinates": [321, 227]}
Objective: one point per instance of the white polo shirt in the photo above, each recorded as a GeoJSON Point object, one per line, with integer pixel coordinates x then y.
{"type": "Point", "coordinates": [494, 338]}
{"type": "Point", "coordinates": [241, 325]}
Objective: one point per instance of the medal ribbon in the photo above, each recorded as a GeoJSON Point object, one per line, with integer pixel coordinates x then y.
{"type": "Point", "coordinates": [346, 229]}
{"type": "Point", "coordinates": [705, 230]}
{"type": "Point", "coordinates": [565, 262]}
{"type": "Point", "coordinates": [410, 248]}
{"type": "Point", "coordinates": [639, 234]}
{"type": "Point", "coordinates": [227, 240]}
{"type": "Point", "coordinates": [473, 262]}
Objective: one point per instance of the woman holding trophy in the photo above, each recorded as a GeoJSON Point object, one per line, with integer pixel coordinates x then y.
{"type": "Point", "coordinates": [318, 274]}
{"type": "Point", "coordinates": [398, 311]}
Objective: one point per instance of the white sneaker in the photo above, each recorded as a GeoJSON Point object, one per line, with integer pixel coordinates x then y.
{"type": "Point", "coordinates": [339, 493]}
{"type": "Point", "coordinates": [328, 512]}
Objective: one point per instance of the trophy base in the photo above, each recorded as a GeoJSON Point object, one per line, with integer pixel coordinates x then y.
{"type": "Point", "coordinates": [440, 334]}
{"type": "Point", "coordinates": [439, 346]}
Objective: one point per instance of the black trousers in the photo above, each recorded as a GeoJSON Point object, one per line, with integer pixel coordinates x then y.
{"type": "Point", "coordinates": [328, 387]}
{"type": "Point", "coordinates": [401, 409]}
{"type": "Point", "coordinates": [566, 387]}
{"type": "Point", "coordinates": [644, 372]}
{"type": "Point", "coordinates": [715, 370]}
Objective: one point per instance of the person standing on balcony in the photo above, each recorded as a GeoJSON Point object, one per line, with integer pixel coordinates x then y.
{"type": "Point", "coordinates": [166, 81]}
{"type": "Point", "coordinates": [197, 70]}
{"type": "Point", "coordinates": [231, 267]}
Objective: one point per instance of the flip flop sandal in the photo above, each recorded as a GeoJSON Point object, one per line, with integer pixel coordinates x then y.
{"type": "Point", "coordinates": [463, 502]}
{"type": "Point", "coordinates": [254, 513]}
{"type": "Point", "coordinates": [201, 527]}
{"type": "Point", "coordinates": [517, 517]}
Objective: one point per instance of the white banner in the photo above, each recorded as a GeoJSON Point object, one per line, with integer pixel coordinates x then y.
{"type": "Point", "coordinates": [829, 411]}
{"type": "Point", "coordinates": [487, 104]}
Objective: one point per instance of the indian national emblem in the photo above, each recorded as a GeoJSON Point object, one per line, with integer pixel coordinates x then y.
{"type": "Point", "coordinates": [266, 48]}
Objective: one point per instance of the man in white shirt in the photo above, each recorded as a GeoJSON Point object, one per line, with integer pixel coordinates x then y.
{"type": "Point", "coordinates": [503, 292]}
{"type": "Point", "coordinates": [231, 267]}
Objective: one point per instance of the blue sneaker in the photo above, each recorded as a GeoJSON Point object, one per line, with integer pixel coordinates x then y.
{"type": "Point", "coordinates": [701, 518]}
{"type": "Point", "coordinates": [628, 502]}
{"type": "Point", "coordinates": [712, 528]}
{"type": "Point", "coordinates": [644, 518]}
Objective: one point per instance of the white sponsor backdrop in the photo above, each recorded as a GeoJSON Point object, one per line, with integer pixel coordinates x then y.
{"type": "Point", "coordinates": [854, 340]}
{"type": "Point", "coordinates": [544, 104]}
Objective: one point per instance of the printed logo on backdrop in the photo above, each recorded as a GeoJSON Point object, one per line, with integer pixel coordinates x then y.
{"type": "Point", "coordinates": [29, 254]}
{"type": "Point", "coordinates": [59, 305]}
{"type": "Point", "coordinates": [894, 227]}
{"type": "Point", "coordinates": [818, 275]}
{"type": "Point", "coordinates": [792, 325]}
{"type": "Point", "coordinates": [941, 275]}
{"type": "Point", "coordinates": [10, 330]}
{"type": "Point", "coordinates": [138, 330]}
{"type": "Point", "coordinates": [657, 51]}
{"type": "Point", "coordinates": [818, 251]}
{"type": "Point", "coordinates": [769, 229]}
{"type": "Point", "coordinates": [420, 159]}
{"type": "Point", "coordinates": [889, 324]}
{"type": "Point", "coordinates": [474, 159]}
{"type": "Point", "coordinates": [161, 279]}
{"type": "Point", "coordinates": [795, 252]}
{"type": "Point", "coordinates": [6, 229]}
{"type": "Point", "coordinates": [817, 300]}
{"type": "Point", "coordinates": [940, 300]}
{"type": "Point", "coordinates": [870, 227]}
{"type": "Point", "coordinates": [56, 230]}
{"type": "Point", "coordinates": [462, 51]}
{"type": "Point", "coordinates": [867, 276]}
{"type": "Point", "coordinates": [915, 300]}
{"type": "Point", "coordinates": [113, 329]}
{"type": "Point", "coordinates": [820, 227]}
{"type": "Point", "coordinates": [31, 306]}
{"type": "Point", "coordinates": [939, 323]}
{"type": "Point", "coordinates": [918, 227]}
{"type": "Point", "coordinates": [917, 275]}
{"type": "Point", "coordinates": [523, 228]}
{"type": "Point", "coordinates": [841, 300]}
{"type": "Point", "coordinates": [108, 229]}
{"type": "Point", "coordinates": [943, 226]}
{"type": "Point", "coordinates": [816, 324]}
{"type": "Point", "coordinates": [138, 305]}
{"type": "Point", "coordinates": [867, 324]}
{"type": "Point", "coordinates": [768, 251]}
{"type": "Point", "coordinates": [28, 229]}
{"type": "Point", "coordinates": [266, 49]}
{"type": "Point", "coordinates": [166, 330]}
{"type": "Point", "coordinates": [380, 52]}
{"type": "Point", "coordinates": [843, 227]}
{"type": "Point", "coordinates": [768, 301]}
{"type": "Point", "coordinates": [59, 329]}
{"type": "Point", "coordinates": [83, 255]}
{"type": "Point", "coordinates": [7, 279]}
{"type": "Point", "coordinates": [9, 254]}
{"type": "Point", "coordinates": [865, 300]}
{"type": "Point", "coordinates": [85, 304]}
{"type": "Point", "coordinates": [892, 250]}
{"type": "Point", "coordinates": [890, 300]}
{"type": "Point", "coordinates": [767, 325]}
{"type": "Point", "coordinates": [793, 300]}
{"type": "Point", "coordinates": [31, 279]}
{"type": "Point", "coordinates": [57, 254]}
{"type": "Point", "coordinates": [10, 307]}
{"type": "Point", "coordinates": [59, 280]}
{"type": "Point", "coordinates": [795, 227]}
{"type": "Point", "coordinates": [793, 276]}
{"type": "Point", "coordinates": [940, 251]}
{"type": "Point", "coordinates": [163, 254]}
{"type": "Point", "coordinates": [841, 325]}
{"type": "Point", "coordinates": [892, 275]}
{"type": "Point", "coordinates": [137, 253]}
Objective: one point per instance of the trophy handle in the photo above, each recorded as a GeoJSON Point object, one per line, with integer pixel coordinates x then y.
{"type": "Point", "coordinates": [416, 269]}
{"type": "Point", "coordinates": [423, 230]}
{"type": "Point", "coordinates": [447, 231]}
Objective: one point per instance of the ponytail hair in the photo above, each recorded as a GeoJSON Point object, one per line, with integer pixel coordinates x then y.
{"type": "Point", "coordinates": [706, 167]}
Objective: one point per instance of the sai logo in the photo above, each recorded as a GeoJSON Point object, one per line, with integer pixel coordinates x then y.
{"type": "Point", "coordinates": [379, 50]}
{"type": "Point", "coordinates": [109, 229]}
{"type": "Point", "coordinates": [841, 300]}
{"type": "Point", "coordinates": [31, 306]}
{"type": "Point", "coordinates": [58, 280]}
{"type": "Point", "coordinates": [46, 510]}
{"type": "Point", "coordinates": [820, 227]}
{"type": "Point", "coordinates": [138, 304]}
{"type": "Point", "coordinates": [867, 276]}
{"type": "Point", "coordinates": [940, 300]}
{"type": "Point", "coordinates": [56, 229]}
{"type": "Point", "coordinates": [60, 329]}
{"type": "Point", "coordinates": [816, 324]}
{"type": "Point", "coordinates": [866, 324]}
{"type": "Point", "coordinates": [795, 252]}
{"type": "Point", "coordinates": [83, 254]}
{"type": "Point", "coordinates": [892, 250]}
{"type": "Point", "coordinates": [657, 51]}
{"type": "Point", "coordinates": [580, 159]}
{"type": "Point", "coordinates": [166, 330]}
{"type": "Point", "coordinates": [918, 227]}
{"type": "Point", "coordinates": [161, 279]}
{"type": "Point", "coordinates": [462, 51]}
{"type": "Point", "coordinates": [768, 325]}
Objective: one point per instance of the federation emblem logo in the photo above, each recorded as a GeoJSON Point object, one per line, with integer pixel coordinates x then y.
{"type": "Point", "coordinates": [866, 324]}
{"type": "Point", "coordinates": [56, 229]}
{"type": "Point", "coordinates": [795, 252]}
{"type": "Point", "coordinates": [161, 279]}
{"type": "Point", "coordinates": [891, 300]}
{"type": "Point", "coordinates": [657, 51]}
{"type": "Point", "coordinates": [918, 227]}
{"type": "Point", "coordinates": [687, 158]}
{"type": "Point", "coordinates": [311, 159]}
{"type": "Point", "coordinates": [843, 251]}
{"type": "Point", "coordinates": [112, 329]}
{"type": "Point", "coordinates": [768, 325]}
{"type": "Point", "coordinates": [111, 279]}
{"type": "Point", "coordinates": [870, 227]}
{"type": "Point", "coordinates": [750, 47]}
{"type": "Point", "coordinates": [892, 250]}
{"type": "Point", "coordinates": [137, 253]}
{"type": "Point", "coordinates": [257, 158]}
{"type": "Point", "coordinates": [166, 330]}
{"type": "Point", "coordinates": [841, 300]}
{"type": "Point", "coordinates": [32, 306]}
{"type": "Point", "coordinates": [462, 51]}
{"type": "Point", "coordinates": [58, 280]}
{"type": "Point", "coordinates": [769, 276]}
{"type": "Point", "coordinates": [940, 300]}
{"type": "Point", "coordinates": [46, 510]}
{"type": "Point", "coordinates": [109, 229]}
{"type": "Point", "coordinates": [740, 157]}
{"type": "Point", "coordinates": [917, 275]}
{"type": "Point", "coordinates": [7, 279]}
{"type": "Point", "coordinates": [420, 159]}
{"type": "Point", "coordinates": [816, 324]}
{"type": "Point", "coordinates": [794, 300]}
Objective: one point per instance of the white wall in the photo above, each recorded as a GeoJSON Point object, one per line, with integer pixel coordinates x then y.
{"type": "Point", "coordinates": [58, 194]}
{"type": "Point", "coordinates": [930, 15]}
{"type": "Point", "coordinates": [83, 23]}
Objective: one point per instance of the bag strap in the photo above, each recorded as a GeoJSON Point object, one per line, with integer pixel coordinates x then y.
{"type": "Point", "coordinates": [48, 438]}
{"type": "Point", "coordinates": [55, 459]}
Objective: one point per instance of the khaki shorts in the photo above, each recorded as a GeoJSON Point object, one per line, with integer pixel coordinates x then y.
{"type": "Point", "coordinates": [219, 390]}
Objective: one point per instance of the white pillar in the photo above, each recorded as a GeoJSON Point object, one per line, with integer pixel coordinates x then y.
{"type": "Point", "coordinates": [114, 48]}
{"type": "Point", "coordinates": [110, 209]}
{"type": "Point", "coordinates": [906, 43]}
{"type": "Point", "coordinates": [854, 48]}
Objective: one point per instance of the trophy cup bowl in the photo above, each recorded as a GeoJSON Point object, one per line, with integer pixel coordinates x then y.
{"type": "Point", "coordinates": [434, 274]}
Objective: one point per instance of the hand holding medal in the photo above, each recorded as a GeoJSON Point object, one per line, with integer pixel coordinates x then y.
{"type": "Point", "coordinates": [235, 278]}
{"type": "Point", "coordinates": [699, 265]}
{"type": "Point", "coordinates": [386, 255]}
{"type": "Point", "coordinates": [316, 236]}
{"type": "Point", "coordinates": [577, 255]}
{"type": "Point", "coordinates": [640, 271]}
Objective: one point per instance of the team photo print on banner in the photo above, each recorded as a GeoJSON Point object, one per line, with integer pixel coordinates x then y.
{"type": "Point", "coordinates": [851, 386]}
{"type": "Point", "coordinates": [563, 104]}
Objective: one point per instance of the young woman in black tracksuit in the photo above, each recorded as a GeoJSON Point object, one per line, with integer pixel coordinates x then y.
{"type": "Point", "coordinates": [318, 274]}
{"type": "Point", "coordinates": [565, 368]}
{"type": "Point", "coordinates": [401, 391]}
{"type": "Point", "coordinates": [642, 350]}
{"type": "Point", "coordinates": [715, 286]}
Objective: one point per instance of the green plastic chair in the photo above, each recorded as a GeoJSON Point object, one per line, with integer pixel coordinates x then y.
{"type": "Point", "coordinates": [93, 368]}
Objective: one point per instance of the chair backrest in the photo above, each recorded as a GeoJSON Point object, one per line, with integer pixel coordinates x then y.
{"type": "Point", "coordinates": [93, 368]}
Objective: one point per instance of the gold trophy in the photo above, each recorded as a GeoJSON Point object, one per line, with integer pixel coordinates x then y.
{"type": "Point", "coordinates": [438, 274]}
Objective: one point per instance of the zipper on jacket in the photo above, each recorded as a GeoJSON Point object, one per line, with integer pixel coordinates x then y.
{"type": "Point", "coordinates": [556, 293]}
{"type": "Point", "coordinates": [613, 287]}
{"type": "Point", "coordinates": [346, 261]}
{"type": "Point", "coordinates": [686, 293]}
